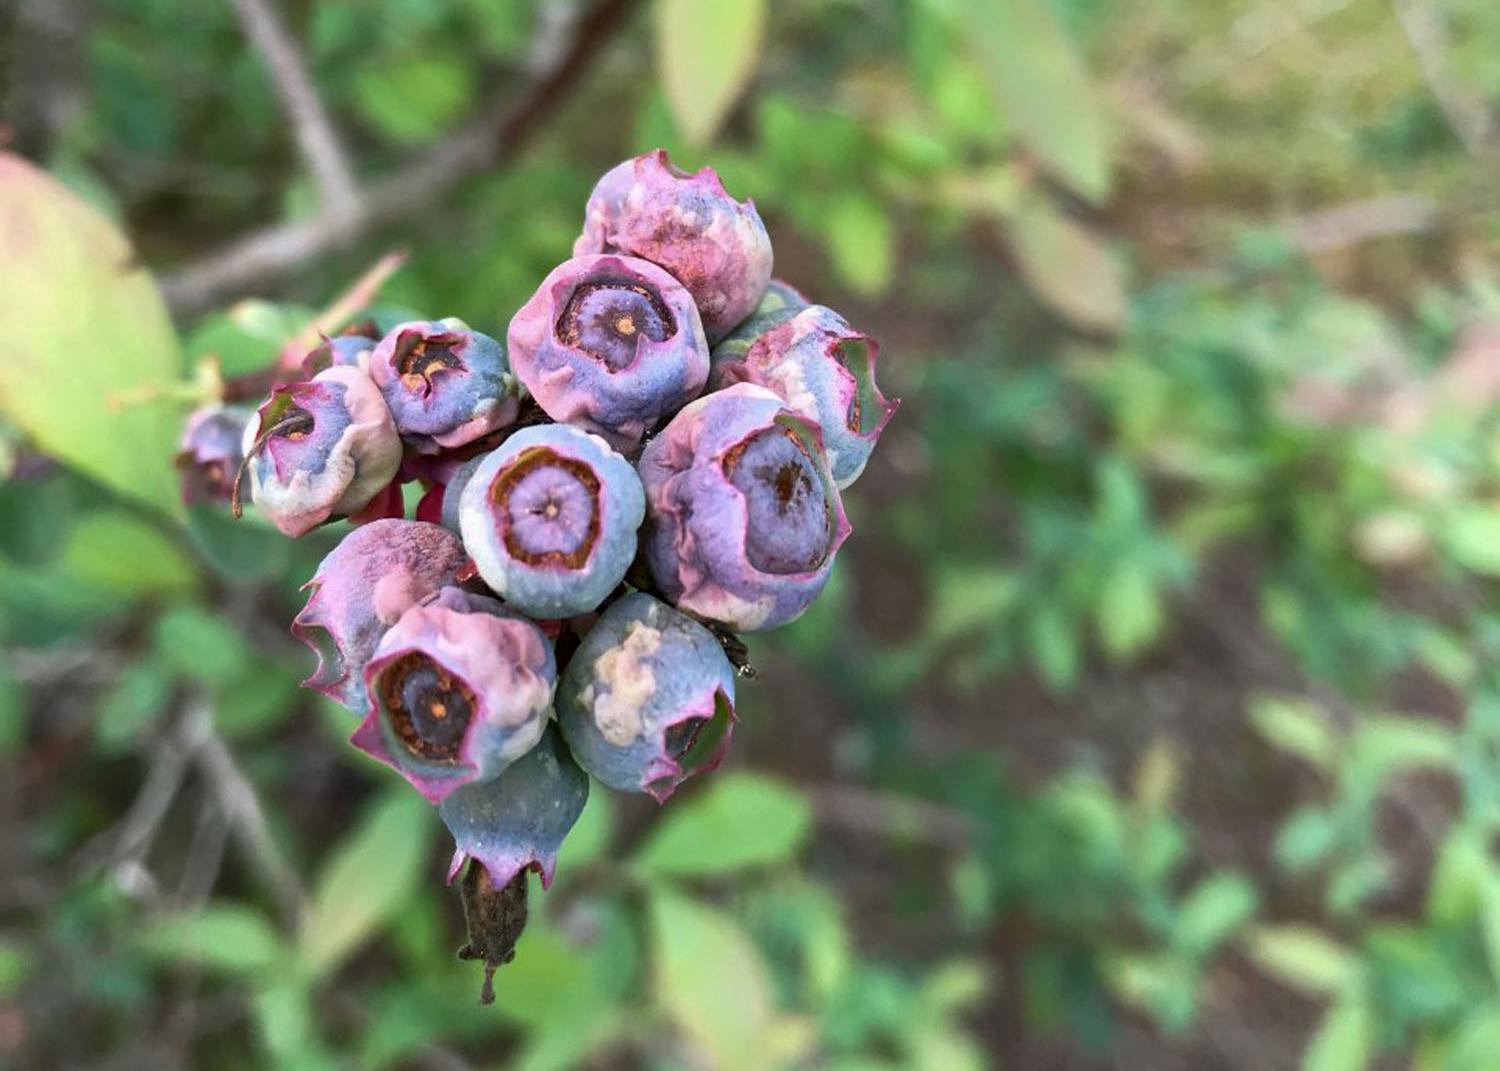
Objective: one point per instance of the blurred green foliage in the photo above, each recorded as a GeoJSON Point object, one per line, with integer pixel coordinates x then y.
{"type": "Point", "coordinates": [1164, 663]}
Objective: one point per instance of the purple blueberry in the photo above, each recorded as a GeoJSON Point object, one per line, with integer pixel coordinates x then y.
{"type": "Point", "coordinates": [517, 821]}
{"type": "Point", "coordinates": [211, 452]}
{"type": "Point", "coordinates": [612, 344]}
{"type": "Point", "coordinates": [320, 449]}
{"type": "Point", "coordinates": [717, 246]}
{"type": "Point", "coordinates": [459, 688]}
{"type": "Point", "coordinates": [361, 589]}
{"type": "Point", "coordinates": [743, 516]}
{"type": "Point", "coordinates": [550, 519]}
{"type": "Point", "coordinates": [822, 368]}
{"type": "Point", "coordinates": [352, 347]}
{"type": "Point", "coordinates": [647, 699]}
{"type": "Point", "coordinates": [446, 385]}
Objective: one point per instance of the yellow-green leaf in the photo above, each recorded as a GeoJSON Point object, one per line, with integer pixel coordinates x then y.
{"type": "Point", "coordinates": [371, 875]}
{"type": "Point", "coordinates": [706, 54]}
{"type": "Point", "coordinates": [226, 937]}
{"type": "Point", "coordinates": [739, 821]}
{"type": "Point", "coordinates": [1070, 267]}
{"type": "Point", "coordinates": [122, 554]}
{"type": "Point", "coordinates": [1039, 82]}
{"type": "Point", "coordinates": [714, 984]}
{"type": "Point", "coordinates": [88, 341]}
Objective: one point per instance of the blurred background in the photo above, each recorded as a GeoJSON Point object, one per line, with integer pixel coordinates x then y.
{"type": "Point", "coordinates": [1152, 719]}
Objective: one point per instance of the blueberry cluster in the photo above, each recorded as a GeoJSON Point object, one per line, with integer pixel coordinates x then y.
{"type": "Point", "coordinates": [649, 464]}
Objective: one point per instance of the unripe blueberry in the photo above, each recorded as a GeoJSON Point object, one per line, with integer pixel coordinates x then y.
{"type": "Point", "coordinates": [211, 452]}
{"type": "Point", "coordinates": [518, 821]}
{"type": "Point", "coordinates": [459, 688]}
{"type": "Point", "coordinates": [717, 246]}
{"type": "Point", "coordinates": [779, 295]}
{"type": "Point", "coordinates": [320, 449]}
{"type": "Point", "coordinates": [647, 699]}
{"type": "Point", "coordinates": [612, 344]}
{"type": "Point", "coordinates": [743, 516]}
{"type": "Point", "coordinates": [361, 589]}
{"type": "Point", "coordinates": [550, 519]}
{"type": "Point", "coordinates": [351, 347]}
{"type": "Point", "coordinates": [445, 384]}
{"type": "Point", "coordinates": [822, 368]}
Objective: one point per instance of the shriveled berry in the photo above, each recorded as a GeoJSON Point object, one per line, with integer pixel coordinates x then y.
{"type": "Point", "coordinates": [459, 688]}
{"type": "Point", "coordinates": [517, 821]}
{"type": "Point", "coordinates": [361, 589]}
{"type": "Point", "coordinates": [612, 344]}
{"type": "Point", "coordinates": [211, 452]}
{"type": "Point", "coordinates": [550, 518]}
{"type": "Point", "coordinates": [445, 384]}
{"type": "Point", "coordinates": [691, 226]}
{"type": "Point", "coordinates": [743, 516]}
{"type": "Point", "coordinates": [822, 368]}
{"type": "Point", "coordinates": [320, 449]}
{"type": "Point", "coordinates": [647, 699]}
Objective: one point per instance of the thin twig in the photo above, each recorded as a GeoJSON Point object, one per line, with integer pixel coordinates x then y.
{"type": "Point", "coordinates": [316, 138]}
{"type": "Point", "coordinates": [863, 810]}
{"type": "Point", "coordinates": [1358, 221]}
{"type": "Point", "coordinates": [242, 806]}
{"type": "Point", "coordinates": [501, 130]}
{"type": "Point", "coordinates": [1428, 37]}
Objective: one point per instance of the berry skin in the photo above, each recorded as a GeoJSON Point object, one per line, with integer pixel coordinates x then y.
{"type": "Point", "coordinates": [822, 368]}
{"type": "Point", "coordinates": [459, 688]}
{"type": "Point", "coordinates": [517, 821]}
{"type": "Point", "coordinates": [612, 344]}
{"type": "Point", "coordinates": [717, 246]}
{"type": "Point", "coordinates": [743, 517]}
{"type": "Point", "coordinates": [320, 449]}
{"type": "Point", "coordinates": [210, 452]}
{"type": "Point", "coordinates": [779, 295]}
{"type": "Point", "coordinates": [446, 385]}
{"type": "Point", "coordinates": [647, 699]}
{"type": "Point", "coordinates": [361, 589]}
{"type": "Point", "coordinates": [550, 518]}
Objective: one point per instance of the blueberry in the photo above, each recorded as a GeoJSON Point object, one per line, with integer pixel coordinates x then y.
{"type": "Point", "coordinates": [647, 699]}
{"type": "Point", "coordinates": [211, 451]}
{"type": "Point", "coordinates": [445, 384]}
{"type": "Point", "coordinates": [361, 589]}
{"type": "Point", "coordinates": [822, 368]}
{"type": "Point", "coordinates": [743, 516]}
{"type": "Point", "coordinates": [459, 688]}
{"type": "Point", "coordinates": [550, 519]}
{"type": "Point", "coordinates": [518, 820]}
{"type": "Point", "coordinates": [688, 224]}
{"type": "Point", "coordinates": [320, 449]}
{"type": "Point", "coordinates": [612, 344]}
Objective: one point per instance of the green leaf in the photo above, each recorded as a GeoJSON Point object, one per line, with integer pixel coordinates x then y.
{"type": "Point", "coordinates": [88, 340]}
{"type": "Point", "coordinates": [1386, 743]}
{"type": "Point", "coordinates": [1303, 957]}
{"type": "Point", "coordinates": [199, 645]}
{"type": "Point", "coordinates": [225, 937]}
{"type": "Point", "coordinates": [1069, 266]}
{"type": "Point", "coordinates": [1128, 613]}
{"type": "Point", "coordinates": [371, 875]}
{"type": "Point", "coordinates": [413, 99]}
{"type": "Point", "coordinates": [1039, 82]}
{"type": "Point", "coordinates": [1217, 906]}
{"type": "Point", "coordinates": [1344, 1039]}
{"type": "Point", "coordinates": [1295, 726]}
{"type": "Point", "coordinates": [1471, 535]}
{"type": "Point", "coordinates": [12, 712]}
{"type": "Point", "coordinates": [706, 55]}
{"type": "Point", "coordinates": [738, 821]}
{"type": "Point", "coordinates": [119, 553]}
{"type": "Point", "coordinates": [857, 231]}
{"type": "Point", "coordinates": [15, 967]}
{"type": "Point", "coordinates": [713, 982]}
